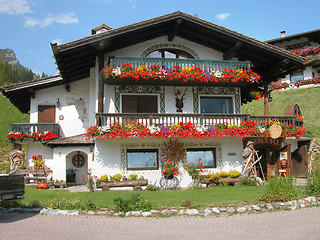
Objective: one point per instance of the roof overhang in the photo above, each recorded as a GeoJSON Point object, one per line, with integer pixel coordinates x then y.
{"type": "Point", "coordinates": [74, 59]}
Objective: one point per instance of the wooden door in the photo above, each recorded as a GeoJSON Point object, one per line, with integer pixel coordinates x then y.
{"type": "Point", "coordinates": [300, 161]}
{"type": "Point", "coordinates": [46, 114]}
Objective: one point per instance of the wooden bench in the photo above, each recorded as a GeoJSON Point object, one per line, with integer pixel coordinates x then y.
{"type": "Point", "coordinates": [135, 184]}
{"type": "Point", "coordinates": [41, 175]}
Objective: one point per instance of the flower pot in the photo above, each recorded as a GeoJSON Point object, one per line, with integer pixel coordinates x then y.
{"type": "Point", "coordinates": [168, 177]}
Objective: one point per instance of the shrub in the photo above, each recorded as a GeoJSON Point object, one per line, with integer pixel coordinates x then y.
{"type": "Point", "coordinates": [279, 190]}
{"type": "Point", "coordinates": [116, 177]}
{"type": "Point", "coordinates": [133, 177]}
{"type": "Point", "coordinates": [134, 203]}
{"type": "Point", "coordinates": [213, 176]}
{"type": "Point", "coordinates": [234, 173]}
{"type": "Point", "coordinates": [10, 204]}
{"type": "Point", "coordinates": [224, 174]}
{"type": "Point", "coordinates": [152, 187]}
{"type": "Point", "coordinates": [186, 203]}
{"type": "Point", "coordinates": [249, 182]}
{"type": "Point", "coordinates": [62, 202]}
{"type": "Point", "coordinates": [104, 178]}
{"type": "Point", "coordinates": [313, 187]}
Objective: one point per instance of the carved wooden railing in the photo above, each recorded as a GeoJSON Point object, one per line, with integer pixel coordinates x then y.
{"type": "Point", "coordinates": [35, 127]}
{"type": "Point", "coordinates": [168, 63]}
{"type": "Point", "coordinates": [168, 119]}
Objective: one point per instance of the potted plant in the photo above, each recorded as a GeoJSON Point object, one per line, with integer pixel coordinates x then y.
{"type": "Point", "coordinates": [170, 169]}
{"type": "Point", "coordinates": [37, 161]}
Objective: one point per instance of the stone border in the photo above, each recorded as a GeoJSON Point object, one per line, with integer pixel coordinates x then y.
{"type": "Point", "coordinates": [214, 211]}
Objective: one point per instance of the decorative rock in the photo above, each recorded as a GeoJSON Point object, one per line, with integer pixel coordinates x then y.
{"type": "Point", "coordinates": [128, 214]}
{"type": "Point", "coordinates": [166, 212]}
{"type": "Point", "coordinates": [192, 212]}
{"type": "Point", "coordinates": [275, 205]}
{"type": "Point", "coordinates": [256, 208]}
{"type": "Point", "coordinates": [241, 209]}
{"type": "Point", "coordinates": [231, 210]}
{"type": "Point", "coordinates": [181, 212]}
{"type": "Point", "coordinates": [53, 211]}
{"type": "Point", "coordinates": [137, 188]}
{"type": "Point", "coordinates": [154, 212]}
{"type": "Point", "coordinates": [282, 205]}
{"type": "Point", "coordinates": [215, 210]}
{"type": "Point", "coordinates": [269, 206]}
{"type": "Point", "coordinates": [207, 212]}
{"type": "Point", "coordinates": [146, 214]}
{"type": "Point", "coordinates": [248, 208]}
{"type": "Point", "coordinates": [44, 211]}
{"type": "Point", "coordinates": [174, 211]}
{"type": "Point", "coordinates": [301, 204]}
{"type": "Point", "coordinates": [223, 209]}
{"type": "Point", "coordinates": [91, 213]}
{"type": "Point", "coordinates": [101, 213]}
{"type": "Point", "coordinates": [135, 213]}
{"type": "Point", "coordinates": [72, 212]}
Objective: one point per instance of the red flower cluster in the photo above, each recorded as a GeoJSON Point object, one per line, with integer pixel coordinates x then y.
{"type": "Point", "coordinates": [35, 136]}
{"type": "Point", "coordinates": [190, 74]}
{"type": "Point", "coordinates": [170, 169]}
{"type": "Point", "coordinates": [189, 130]}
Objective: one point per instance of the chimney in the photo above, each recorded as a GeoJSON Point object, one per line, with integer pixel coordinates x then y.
{"type": "Point", "coordinates": [100, 29]}
{"type": "Point", "coordinates": [283, 33]}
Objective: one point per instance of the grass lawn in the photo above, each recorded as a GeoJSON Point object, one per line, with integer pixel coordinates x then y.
{"type": "Point", "coordinates": [217, 196]}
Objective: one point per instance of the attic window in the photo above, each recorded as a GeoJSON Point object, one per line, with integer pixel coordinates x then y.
{"type": "Point", "coordinates": [170, 53]}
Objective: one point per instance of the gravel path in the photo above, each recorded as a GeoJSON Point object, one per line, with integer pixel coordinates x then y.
{"type": "Point", "coordinates": [298, 224]}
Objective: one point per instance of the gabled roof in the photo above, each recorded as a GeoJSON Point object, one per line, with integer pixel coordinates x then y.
{"type": "Point", "coordinates": [313, 35]}
{"type": "Point", "coordinates": [78, 140]}
{"type": "Point", "coordinates": [75, 58]}
{"type": "Point", "coordinates": [19, 94]}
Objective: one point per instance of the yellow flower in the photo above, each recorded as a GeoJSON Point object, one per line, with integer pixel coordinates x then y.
{"type": "Point", "coordinates": [239, 70]}
{"type": "Point", "coordinates": [141, 68]}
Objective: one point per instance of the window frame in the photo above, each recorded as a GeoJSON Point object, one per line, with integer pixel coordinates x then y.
{"type": "Point", "coordinates": [213, 149]}
{"type": "Point", "coordinates": [143, 150]}
{"type": "Point", "coordinates": [135, 94]}
{"type": "Point", "coordinates": [218, 96]}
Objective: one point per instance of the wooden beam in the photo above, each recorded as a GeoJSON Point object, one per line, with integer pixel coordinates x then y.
{"type": "Point", "coordinates": [276, 69]}
{"type": "Point", "coordinates": [232, 51]}
{"type": "Point", "coordinates": [266, 98]}
{"type": "Point", "coordinates": [174, 30]}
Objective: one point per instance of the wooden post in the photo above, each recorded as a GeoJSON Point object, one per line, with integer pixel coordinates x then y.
{"type": "Point", "coordinates": [100, 84]}
{"type": "Point", "coordinates": [266, 98]}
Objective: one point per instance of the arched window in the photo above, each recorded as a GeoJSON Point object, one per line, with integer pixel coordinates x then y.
{"type": "Point", "coordinates": [170, 53]}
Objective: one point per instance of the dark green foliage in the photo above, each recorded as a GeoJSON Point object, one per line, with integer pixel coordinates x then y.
{"type": "Point", "coordinates": [134, 203]}
{"type": "Point", "coordinates": [249, 182]}
{"type": "Point", "coordinates": [11, 204]}
{"type": "Point", "coordinates": [279, 190]}
{"type": "Point", "coordinates": [152, 187]}
{"type": "Point", "coordinates": [313, 187]}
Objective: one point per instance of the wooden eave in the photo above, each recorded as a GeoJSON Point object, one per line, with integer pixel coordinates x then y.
{"type": "Point", "coordinates": [78, 140]}
{"type": "Point", "coordinates": [313, 35]}
{"type": "Point", "coordinates": [19, 94]}
{"type": "Point", "coordinates": [261, 54]}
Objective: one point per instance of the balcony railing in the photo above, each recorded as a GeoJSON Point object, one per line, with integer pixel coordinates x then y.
{"type": "Point", "coordinates": [35, 127]}
{"type": "Point", "coordinates": [169, 63]}
{"type": "Point", "coordinates": [168, 119]}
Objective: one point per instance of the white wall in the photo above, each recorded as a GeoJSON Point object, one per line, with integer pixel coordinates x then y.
{"type": "Point", "coordinates": [108, 158]}
{"type": "Point", "coordinates": [72, 115]}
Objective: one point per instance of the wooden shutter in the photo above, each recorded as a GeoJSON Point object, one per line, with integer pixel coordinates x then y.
{"type": "Point", "coordinates": [46, 114]}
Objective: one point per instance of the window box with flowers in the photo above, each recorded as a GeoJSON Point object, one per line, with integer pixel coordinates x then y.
{"type": "Point", "coordinates": [233, 177]}
{"type": "Point", "coordinates": [118, 180]}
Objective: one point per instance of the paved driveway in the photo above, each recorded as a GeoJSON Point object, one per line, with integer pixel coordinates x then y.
{"type": "Point", "coordinates": [297, 224]}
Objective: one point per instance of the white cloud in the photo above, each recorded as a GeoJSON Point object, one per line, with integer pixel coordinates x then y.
{"type": "Point", "coordinates": [14, 7]}
{"type": "Point", "coordinates": [58, 41]}
{"type": "Point", "coordinates": [132, 4]}
{"type": "Point", "coordinates": [50, 19]}
{"type": "Point", "coordinates": [222, 16]}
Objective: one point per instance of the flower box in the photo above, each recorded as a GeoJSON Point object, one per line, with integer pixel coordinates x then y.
{"type": "Point", "coordinates": [128, 183]}
{"type": "Point", "coordinates": [230, 180]}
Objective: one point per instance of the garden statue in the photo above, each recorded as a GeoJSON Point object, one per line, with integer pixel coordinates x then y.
{"type": "Point", "coordinates": [17, 158]}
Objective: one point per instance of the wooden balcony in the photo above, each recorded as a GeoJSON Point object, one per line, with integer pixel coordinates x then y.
{"type": "Point", "coordinates": [169, 63]}
{"type": "Point", "coordinates": [35, 128]}
{"type": "Point", "coordinates": [168, 119]}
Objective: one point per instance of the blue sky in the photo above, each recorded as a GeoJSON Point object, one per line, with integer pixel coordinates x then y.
{"type": "Point", "coordinates": [28, 26]}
